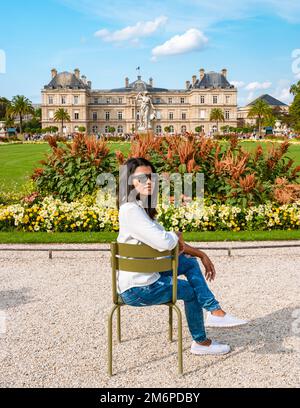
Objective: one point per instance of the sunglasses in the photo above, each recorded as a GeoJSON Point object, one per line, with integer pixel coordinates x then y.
{"type": "Point", "coordinates": [143, 178]}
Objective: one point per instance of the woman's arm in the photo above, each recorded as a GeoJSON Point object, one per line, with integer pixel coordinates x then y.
{"type": "Point", "coordinates": [140, 226]}
{"type": "Point", "coordinates": [210, 272]}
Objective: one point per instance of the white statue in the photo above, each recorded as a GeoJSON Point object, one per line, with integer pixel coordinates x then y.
{"type": "Point", "coordinates": [147, 111]}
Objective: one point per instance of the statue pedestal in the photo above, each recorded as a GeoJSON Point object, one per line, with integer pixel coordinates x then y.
{"type": "Point", "coordinates": [145, 132]}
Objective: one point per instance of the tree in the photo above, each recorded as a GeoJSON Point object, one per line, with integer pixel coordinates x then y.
{"type": "Point", "coordinates": [295, 89]}
{"type": "Point", "coordinates": [294, 112]}
{"type": "Point", "coordinates": [20, 106]}
{"type": "Point", "coordinates": [261, 111]}
{"type": "Point", "coordinates": [167, 129]}
{"type": "Point", "coordinates": [82, 129]}
{"type": "Point", "coordinates": [217, 116]}
{"type": "Point", "coordinates": [198, 129]}
{"type": "Point", "coordinates": [4, 104]}
{"type": "Point", "coordinates": [62, 116]}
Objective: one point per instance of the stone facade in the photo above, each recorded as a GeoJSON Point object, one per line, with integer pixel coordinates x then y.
{"type": "Point", "coordinates": [99, 109]}
{"type": "Point", "coordinates": [242, 113]}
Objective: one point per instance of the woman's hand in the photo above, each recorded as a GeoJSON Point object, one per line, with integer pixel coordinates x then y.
{"type": "Point", "coordinates": [210, 272]}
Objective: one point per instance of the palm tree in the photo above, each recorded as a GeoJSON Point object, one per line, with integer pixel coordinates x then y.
{"type": "Point", "coordinates": [4, 104]}
{"type": "Point", "coordinates": [261, 111]}
{"type": "Point", "coordinates": [20, 106]}
{"type": "Point", "coordinates": [217, 116]}
{"type": "Point", "coordinates": [61, 115]}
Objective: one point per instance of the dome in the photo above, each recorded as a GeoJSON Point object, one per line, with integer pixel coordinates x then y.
{"type": "Point", "coordinates": [67, 80]}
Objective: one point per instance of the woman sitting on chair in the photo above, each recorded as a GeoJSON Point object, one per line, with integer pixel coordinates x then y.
{"type": "Point", "coordinates": [138, 225]}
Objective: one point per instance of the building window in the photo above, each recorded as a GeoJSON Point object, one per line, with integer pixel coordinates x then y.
{"type": "Point", "coordinates": [76, 115]}
{"type": "Point", "coordinates": [158, 129]}
{"type": "Point", "coordinates": [202, 114]}
{"type": "Point", "coordinates": [107, 115]}
{"type": "Point", "coordinates": [120, 129]}
{"type": "Point", "coordinates": [171, 115]}
{"type": "Point", "coordinates": [215, 99]}
{"type": "Point", "coordinates": [227, 114]}
{"type": "Point", "coordinates": [120, 115]}
{"type": "Point", "coordinates": [106, 129]}
{"type": "Point", "coordinates": [108, 100]}
{"type": "Point", "coordinates": [157, 100]}
{"type": "Point", "coordinates": [50, 100]}
{"type": "Point", "coordinates": [227, 99]}
{"type": "Point", "coordinates": [50, 114]}
{"type": "Point", "coordinates": [95, 116]}
{"type": "Point", "coordinates": [138, 115]}
{"type": "Point", "coordinates": [171, 129]}
{"type": "Point", "coordinates": [158, 115]}
{"type": "Point", "coordinates": [202, 99]}
{"type": "Point", "coordinates": [120, 100]}
{"type": "Point", "coordinates": [95, 129]}
{"type": "Point", "coordinates": [183, 129]}
{"type": "Point", "coordinates": [76, 100]}
{"type": "Point", "coordinates": [182, 100]}
{"type": "Point", "coordinates": [170, 100]}
{"type": "Point", "coordinates": [183, 115]}
{"type": "Point", "coordinates": [96, 101]}
{"type": "Point", "coordinates": [63, 100]}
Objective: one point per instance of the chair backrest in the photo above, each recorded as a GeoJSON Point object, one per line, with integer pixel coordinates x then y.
{"type": "Point", "coordinates": [144, 259]}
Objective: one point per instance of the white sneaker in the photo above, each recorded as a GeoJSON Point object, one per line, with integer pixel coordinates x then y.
{"type": "Point", "coordinates": [223, 321]}
{"type": "Point", "coordinates": [214, 348]}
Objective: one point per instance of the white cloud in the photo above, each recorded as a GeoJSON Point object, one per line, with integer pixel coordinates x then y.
{"type": "Point", "coordinates": [132, 33]}
{"type": "Point", "coordinates": [282, 91]}
{"type": "Point", "coordinates": [250, 96]}
{"type": "Point", "coordinates": [191, 40]}
{"type": "Point", "coordinates": [252, 86]}
{"type": "Point", "coordinates": [237, 84]}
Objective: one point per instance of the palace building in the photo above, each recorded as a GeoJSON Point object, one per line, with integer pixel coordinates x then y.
{"type": "Point", "coordinates": [98, 110]}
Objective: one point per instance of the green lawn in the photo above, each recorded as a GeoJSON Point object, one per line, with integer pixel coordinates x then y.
{"type": "Point", "coordinates": [17, 161]}
{"type": "Point", "coordinates": [105, 237]}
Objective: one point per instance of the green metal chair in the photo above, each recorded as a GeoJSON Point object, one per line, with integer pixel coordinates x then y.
{"type": "Point", "coordinates": [137, 258]}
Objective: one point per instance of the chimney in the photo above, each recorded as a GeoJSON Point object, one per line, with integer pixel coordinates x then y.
{"type": "Point", "coordinates": [89, 84]}
{"type": "Point", "coordinates": [77, 73]}
{"type": "Point", "coordinates": [194, 78]}
{"type": "Point", "coordinates": [126, 82]}
{"type": "Point", "coordinates": [151, 82]}
{"type": "Point", "coordinates": [53, 72]}
{"type": "Point", "coordinates": [202, 73]}
{"type": "Point", "coordinates": [83, 78]}
{"type": "Point", "coordinates": [224, 72]}
{"type": "Point", "coordinates": [187, 84]}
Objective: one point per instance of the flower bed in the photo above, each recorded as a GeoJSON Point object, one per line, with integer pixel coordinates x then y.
{"type": "Point", "coordinates": [54, 215]}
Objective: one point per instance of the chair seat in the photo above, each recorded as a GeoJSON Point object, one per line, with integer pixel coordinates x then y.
{"type": "Point", "coordinates": [120, 302]}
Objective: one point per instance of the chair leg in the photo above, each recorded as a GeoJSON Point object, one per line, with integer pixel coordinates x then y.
{"type": "Point", "coordinates": [119, 323]}
{"type": "Point", "coordinates": [170, 323]}
{"type": "Point", "coordinates": [180, 360]}
{"type": "Point", "coordinates": [110, 317]}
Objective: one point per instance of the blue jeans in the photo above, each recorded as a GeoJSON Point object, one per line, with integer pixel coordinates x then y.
{"type": "Point", "coordinates": [194, 292]}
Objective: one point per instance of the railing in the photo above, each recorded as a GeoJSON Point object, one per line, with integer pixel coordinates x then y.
{"type": "Point", "coordinates": [227, 248]}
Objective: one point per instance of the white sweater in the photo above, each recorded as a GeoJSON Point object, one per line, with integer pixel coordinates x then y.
{"type": "Point", "coordinates": [136, 227]}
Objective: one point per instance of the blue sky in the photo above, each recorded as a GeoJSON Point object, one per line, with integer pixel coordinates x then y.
{"type": "Point", "coordinates": [257, 41]}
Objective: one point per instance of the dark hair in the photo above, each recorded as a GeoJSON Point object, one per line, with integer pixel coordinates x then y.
{"type": "Point", "coordinates": [131, 165]}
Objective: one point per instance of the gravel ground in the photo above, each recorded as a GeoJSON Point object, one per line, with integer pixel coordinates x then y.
{"type": "Point", "coordinates": [53, 319]}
